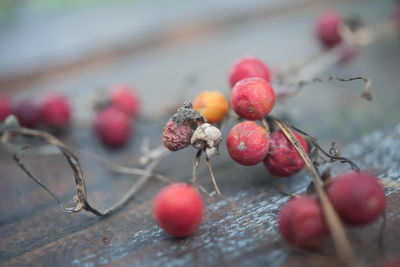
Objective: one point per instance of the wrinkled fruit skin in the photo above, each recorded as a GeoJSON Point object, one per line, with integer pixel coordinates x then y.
{"type": "Point", "coordinates": [252, 98]}
{"type": "Point", "coordinates": [282, 159]}
{"type": "Point", "coordinates": [248, 67]}
{"type": "Point", "coordinates": [27, 112]}
{"type": "Point", "coordinates": [113, 127]}
{"type": "Point", "coordinates": [302, 224]}
{"type": "Point", "coordinates": [357, 197]}
{"type": "Point", "coordinates": [328, 29]}
{"type": "Point", "coordinates": [247, 143]}
{"type": "Point", "coordinates": [212, 105]}
{"type": "Point", "coordinates": [55, 111]}
{"type": "Point", "coordinates": [5, 107]}
{"type": "Point", "coordinates": [176, 137]}
{"type": "Point", "coordinates": [124, 98]}
{"type": "Point", "coordinates": [178, 209]}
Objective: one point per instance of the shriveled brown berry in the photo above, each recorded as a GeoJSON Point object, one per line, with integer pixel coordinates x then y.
{"type": "Point", "coordinates": [174, 136]}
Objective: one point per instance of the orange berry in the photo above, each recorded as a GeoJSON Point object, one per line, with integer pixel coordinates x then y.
{"type": "Point", "coordinates": [212, 105]}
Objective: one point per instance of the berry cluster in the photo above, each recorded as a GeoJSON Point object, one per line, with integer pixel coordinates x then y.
{"type": "Point", "coordinates": [53, 111]}
{"type": "Point", "coordinates": [113, 124]}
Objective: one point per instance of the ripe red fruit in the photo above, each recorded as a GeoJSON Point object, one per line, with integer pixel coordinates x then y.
{"type": "Point", "coordinates": [113, 127]}
{"type": "Point", "coordinates": [252, 98]}
{"type": "Point", "coordinates": [178, 209]}
{"type": "Point", "coordinates": [27, 112]}
{"type": "Point", "coordinates": [283, 159]}
{"type": "Point", "coordinates": [248, 67]}
{"type": "Point", "coordinates": [124, 98]}
{"type": "Point", "coordinates": [328, 29]}
{"type": "Point", "coordinates": [176, 137]}
{"type": "Point", "coordinates": [247, 143]}
{"type": "Point", "coordinates": [5, 107]}
{"type": "Point", "coordinates": [357, 197]}
{"type": "Point", "coordinates": [55, 111]}
{"type": "Point", "coordinates": [302, 224]}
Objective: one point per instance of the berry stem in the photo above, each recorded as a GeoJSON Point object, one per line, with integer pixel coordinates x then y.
{"type": "Point", "coordinates": [340, 239]}
{"type": "Point", "coordinates": [196, 166]}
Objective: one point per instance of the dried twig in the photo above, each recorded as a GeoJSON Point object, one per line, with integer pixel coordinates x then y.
{"type": "Point", "coordinates": [340, 239]}
{"type": "Point", "coordinates": [11, 129]}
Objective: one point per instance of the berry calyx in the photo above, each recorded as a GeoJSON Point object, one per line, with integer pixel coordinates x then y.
{"type": "Point", "coordinates": [248, 143]}
{"type": "Point", "coordinates": [113, 127]}
{"type": "Point", "coordinates": [252, 98]}
{"type": "Point", "coordinates": [27, 112]}
{"type": "Point", "coordinates": [212, 105]}
{"type": "Point", "coordinates": [357, 197]}
{"type": "Point", "coordinates": [302, 224]}
{"type": "Point", "coordinates": [247, 67]}
{"type": "Point", "coordinates": [178, 209]}
{"type": "Point", "coordinates": [5, 107]}
{"type": "Point", "coordinates": [327, 29]}
{"type": "Point", "coordinates": [55, 111]}
{"type": "Point", "coordinates": [176, 137]}
{"type": "Point", "coordinates": [283, 159]}
{"type": "Point", "coordinates": [124, 98]}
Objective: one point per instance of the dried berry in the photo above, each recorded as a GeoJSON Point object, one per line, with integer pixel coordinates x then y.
{"type": "Point", "coordinates": [207, 137]}
{"type": "Point", "coordinates": [113, 127]}
{"type": "Point", "coordinates": [248, 67]}
{"type": "Point", "coordinates": [357, 197]}
{"type": "Point", "coordinates": [283, 159]}
{"type": "Point", "coordinates": [248, 143]}
{"type": "Point", "coordinates": [27, 112]}
{"type": "Point", "coordinates": [5, 107]}
{"type": "Point", "coordinates": [252, 98]}
{"type": "Point", "coordinates": [302, 224]}
{"type": "Point", "coordinates": [123, 97]}
{"type": "Point", "coordinates": [174, 136]}
{"type": "Point", "coordinates": [178, 209]}
{"type": "Point", "coordinates": [212, 105]}
{"type": "Point", "coordinates": [327, 29]}
{"type": "Point", "coordinates": [55, 111]}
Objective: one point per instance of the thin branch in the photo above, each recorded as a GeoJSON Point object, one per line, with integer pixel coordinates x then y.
{"type": "Point", "coordinates": [196, 166]}
{"type": "Point", "coordinates": [340, 239]}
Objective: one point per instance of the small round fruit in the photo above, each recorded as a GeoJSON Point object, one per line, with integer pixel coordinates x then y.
{"type": "Point", "coordinates": [327, 29]}
{"type": "Point", "coordinates": [178, 209]}
{"type": "Point", "coordinates": [247, 143]}
{"type": "Point", "coordinates": [252, 98]}
{"type": "Point", "coordinates": [55, 111]}
{"type": "Point", "coordinates": [176, 137]}
{"type": "Point", "coordinates": [5, 107]}
{"type": "Point", "coordinates": [302, 224]}
{"type": "Point", "coordinates": [212, 105]}
{"type": "Point", "coordinates": [27, 112]}
{"type": "Point", "coordinates": [283, 159]}
{"type": "Point", "coordinates": [123, 97]}
{"type": "Point", "coordinates": [113, 127]}
{"type": "Point", "coordinates": [248, 67]}
{"type": "Point", "coordinates": [357, 197]}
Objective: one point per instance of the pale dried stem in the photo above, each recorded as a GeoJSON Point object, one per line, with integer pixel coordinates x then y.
{"type": "Point", "coordinates": [337, 230]}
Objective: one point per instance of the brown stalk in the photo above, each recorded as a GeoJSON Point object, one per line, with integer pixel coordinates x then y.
{"type": "Point", "coordinates": [338, 233]}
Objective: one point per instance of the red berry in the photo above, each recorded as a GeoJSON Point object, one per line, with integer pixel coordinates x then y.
{"type": "Point", "coordinates": [27, 112]}
{"type": "Point", "coordinates": [247, 143]}
{"type": "Point", "coordinates": [283, 159]}
{"type": "Point", "coordinates": [357, 197]}
{"type": "Point", "coordinates": [55, 111]}
{"type": "Point", "coordinates": [5, 107]}
{"type": "Point", "coordinates": [248, 67]}
{"type": "Point", "coordinates": [328, 29]}
{"type": "Point", "coordinates": [396, 17]}
{"type": "Point", "coordinates": [113, 127]}
{"type": "Point", "coordinates": [124, 98]}
{"type": "Point", "coordinates": [178, 209]}
{"type": "Point", "coordinates": [302, 224]}
{"type": "Point", "coordinates": [176, 137]}
{"type": "Point", "coordinates": [252, 98]}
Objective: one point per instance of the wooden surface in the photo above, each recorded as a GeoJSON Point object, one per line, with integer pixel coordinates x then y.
{"type": "Point", "coordinates": [34, 230]}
